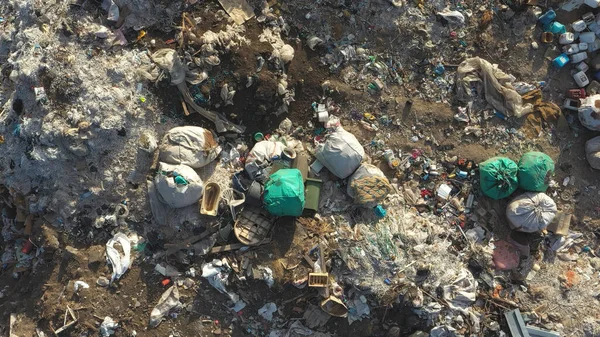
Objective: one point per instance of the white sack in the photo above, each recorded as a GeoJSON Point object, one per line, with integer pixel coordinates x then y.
{"type": "Point", "coordinates": [341, 153]}
{"type": "Point", "coordinates": [189, 145]}
{"type": "Point", "coordinates": [531, 212]}
{"type": "Point", "coordinates": [263, 151]}
{"type": "Point", "coordinates": [174, 195]}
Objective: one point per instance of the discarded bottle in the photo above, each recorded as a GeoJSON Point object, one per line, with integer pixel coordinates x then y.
{"type": "Point", "coordinates": [581, 79]}
{"type": "Point", "coordinates": [567, 38]}
{"type": "Point", "coordinates": [547, 37]}
{"type": "Point", "coordinates": [587, 37]}
{"type": "Point", "coordinates": [576, 58]}
{"type": "Point", "coordinates": [561, 60]}
{"type": "Point", "coordinates": [579, 25]}
{"type": "Point", "coordinates": [556, 28]}
{"type": "Point", "coordinates": [547, 17]}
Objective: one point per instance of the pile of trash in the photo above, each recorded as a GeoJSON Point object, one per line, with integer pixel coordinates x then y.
{"type": "Point", "coordinates": [383, 220]}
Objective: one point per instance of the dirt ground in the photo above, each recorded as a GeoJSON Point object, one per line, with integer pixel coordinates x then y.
{"type": "Point", "coordinates": [39, 298]}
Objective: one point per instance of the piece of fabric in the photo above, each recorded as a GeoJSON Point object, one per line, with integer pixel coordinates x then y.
{"type": "Point", "coordinates": [531, 212]}
{"type": "Point", "coordinates": [341, 153]}
{"type": "Point", "coordinates": [498, 177]}
{"type": "Point", "coordinates": [193, 146]}
{"type": "Point", "coordinates": [592, 152]}
{"type": "Point", "coordinates": [535, 171]}
{"type": "Point", "coordinates": [284, 193]}
{"type": "Point", "coordinates": [490, 83]}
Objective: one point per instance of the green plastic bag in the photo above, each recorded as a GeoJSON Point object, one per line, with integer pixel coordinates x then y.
{"type": "Point", "coordinates": [498, 177]}
{"type": "Point", "coordinates": [284, 193]}
{"type": "Point", "coordinates": [535, 170]}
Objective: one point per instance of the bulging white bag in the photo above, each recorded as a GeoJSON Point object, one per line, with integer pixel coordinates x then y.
{"type": "Point", "coordinates": [531, 212]}
{"type": "Point", "coordinates": [174, 192]}
{"type": "Point", "coordinates": [189, 145]}
{"type": "Point", "coordinates": [341, 153]}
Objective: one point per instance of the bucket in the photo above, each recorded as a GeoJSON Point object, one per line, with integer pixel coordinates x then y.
{"type": "Point", "coordinates": [254, 194]}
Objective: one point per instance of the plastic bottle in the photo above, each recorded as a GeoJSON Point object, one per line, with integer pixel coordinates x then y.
{"type": "Point", "coordinates": [561, 60]}
{"type": "Point", "coordinates": [571, 48]}
{"type": "Point", "coordinates": [547, 17]}
{"type": "Point", "coordinates": [582, 46]}
{"type": "Point", "coordinates": [579, 25]}
{"type": "Point", "coordinates": [567, 38]}
{"type": "Point", "coordinates": [581, 79]}
{"type": "Point", "coordinates": [592, 3]}
{"type": "Point", "coordinates": [556, 28]}
{"type": "Point", "coordinates": [582, 67]}
{"type": "Point", "coordinates": [587, 37]}
{"type": "Point", "coordinates": [576, 58]}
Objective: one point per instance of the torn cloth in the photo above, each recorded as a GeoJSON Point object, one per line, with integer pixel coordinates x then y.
{"type": "Point", "coordinates": [490, 83]}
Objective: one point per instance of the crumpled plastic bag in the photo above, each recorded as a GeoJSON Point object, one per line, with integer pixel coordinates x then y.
{"type": "Point", "coordinates": [119, 262]}
{"type": "Point", "coordinates": [217, 274]}
{"type": "Point", "coordinates": [108, 327]}
{"type": "Point", "coordinates": [462, 293]}
{"type": "Point", "coordinates": [168, 301]}
{"type": "Point", "coordinates": [492, 84]}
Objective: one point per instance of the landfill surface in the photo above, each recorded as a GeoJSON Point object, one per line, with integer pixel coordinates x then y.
{"type": "Point", "coordinates": [90, 89]}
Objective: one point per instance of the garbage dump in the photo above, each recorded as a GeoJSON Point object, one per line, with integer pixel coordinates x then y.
{"type": "Point", "coordinates": [254, 168]}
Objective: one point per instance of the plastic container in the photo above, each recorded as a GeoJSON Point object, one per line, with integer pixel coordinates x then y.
{"type": "Point", "coordinates": [547, 37]}
{"type": "Point", "coordinates": [581, 79]}
{"type": "Point", "coordinates": [587, 37]}
{"type": "Point", "coordinates": [556, 28]}
{"type": "Point", "coordinates": [576, 58]}
{"type": "Point", "coordinates": [547, 17]}
{"type": "Point", "coordinates": [592, 3]}
{"type": "Point", "coordinates": [379, 211]}
{"type": "Point", "coordinates": [588, 18]}
{"type": "Point", "coordinates": [582, 66]}
{"type": "Point", "coordinates": [592, 47]}
{"type": "Point", "coordinates": [561, 60]}
{"type": "Point", "coordinates": [323, 116]}
{"type": "Point", "coordinates": [571, 48]}
{"type": "Point", "coordinates": [567, 38]}
{"type": "Point", "coordinates": [582, 46]}
{"type": "Point", "coordinates": [579, 25]}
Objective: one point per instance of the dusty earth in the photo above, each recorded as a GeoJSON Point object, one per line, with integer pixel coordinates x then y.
{"type": "Point", "coordinates": [39, 298]}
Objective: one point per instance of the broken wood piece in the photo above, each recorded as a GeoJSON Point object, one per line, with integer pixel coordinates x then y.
{"type": "Point", "coordinates": [186, 112]}
{"type": "Point", "coordinates": [239, 10]}
{"type": "Point", "coordinates": [66, 325]}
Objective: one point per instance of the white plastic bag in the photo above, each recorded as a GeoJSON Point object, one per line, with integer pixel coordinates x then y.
{"type": "Point", "coordinates": [119, 262]}
{"type": "Point", "coordinates": [168, 301]}
{"type": "Point", "coordinates": [189, 145]}
{"type": "Point", "coordinates": [341, 153]}
{"type": "Point", "coordinates": [264, 150]}
{"type": "Point", "coordinates": [178, 195]}
{"type": "Point", "coordinates": [531, 212]}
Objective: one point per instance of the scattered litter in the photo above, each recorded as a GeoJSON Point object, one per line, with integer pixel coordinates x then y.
{"type": "Point", "coordinates": [167, 302]}
{"type": "Point", "coordinates": [119, 261]}
{"type": "Point", "coordinates": [267, 311]}
{"type": "Point", "coordinates": [80, 285]}
{"type": "Point", "coordinates": [108, 327]}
